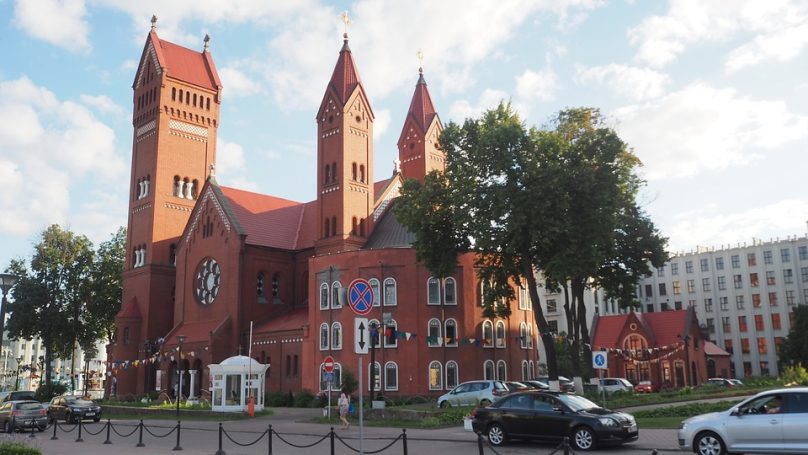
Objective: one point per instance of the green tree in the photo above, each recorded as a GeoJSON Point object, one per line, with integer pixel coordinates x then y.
{"type": "Point", "coordinates": [795, 347]}
{"type": "Point", "coordinates": [106, 288]}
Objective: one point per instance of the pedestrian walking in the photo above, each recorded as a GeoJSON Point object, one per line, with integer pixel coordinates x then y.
{"type": "Point", "coordinates": [344, 403]}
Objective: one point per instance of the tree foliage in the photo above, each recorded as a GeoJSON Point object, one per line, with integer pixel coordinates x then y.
{"type": "Point", "coordinates": [560, 200]}
{"type": "Point", "coordinates": [795, 348]}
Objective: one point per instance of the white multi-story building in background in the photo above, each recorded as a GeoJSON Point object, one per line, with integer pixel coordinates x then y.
{"type": "Point", "coordinates": [744, 296]}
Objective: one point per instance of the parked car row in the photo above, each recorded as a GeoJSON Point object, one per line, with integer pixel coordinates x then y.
{"type": "Point", "coordinates": [483, 393]}
{"type": "Point", "coordinates": [20, 411]}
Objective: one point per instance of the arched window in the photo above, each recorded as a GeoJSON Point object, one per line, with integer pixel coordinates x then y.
{"type": "Point", "coordinates": [327, 228]}
{"type": "Point", "coordinates": [530, 335]}
{"type": "Point", "coordinates": [333, 225]}
{"type": "Point", "coordinates": [635, 342]}
{"type": "Point", "coordinates": [336, 336]}
{"type": "Point", "coordinates": [488, 370]}
{"type": "Point", "coordinates": [335, 288]}
{"type": "Point", "coordinates": [451, 375]}
{"type": "Point", "coordinates": [207, 104]}
{"type": "Point", "coordinates": [488, 334]}
{"type": "Point", "coordinates": [362, 173]}
{"type": "Point", "coordinates": [391, 334]}
{"type": "Point", "coordinates": [433, 291]}
{"type": "Point", "coordinates": [194, 103]}
{"type": "Point", "coordinates": [451, 332]}
{"type": "Point", "coordinates": [500, 335]}
{"type": "Point", "coordinates": [187, 97]}
{"type": "Point", "coordinates": [177, 186]}
{"type": "Point", "coordinates": [181, 95]}
{"type": "Point", "coordinates": [532, 370]}
{"type": "Point", "coordinates": [525, 370]}
{"type": "Point", "coordinates": [389, 292]}
{"type": "Point", "coordinates": [195, 189]}
{"type": "Point", "coordinates": [435, 376]}
{"type": "Point", "coordinates": [434, 337]}
{"type": "Point", "coordinates": [276, 284]}
{"type": "Point", "coordinates": [353, 226]}
{"type": "Point", "coordinates": [523, 336]}
{"type": "Point", "coordinates": [334, 172]}
{"type": "Point", "coordinates": [294, 365]}
{"type": "Point", "coordinates": [375, 375]}
{"type": "Point", "coordinates": [502, 371]}
{"type": "Point", "coordinates": [259, 288]}
{"type": "Point", "coordinates": [323, 336]}
{"type": "Point", "coordinates": [173, 93]}
{"type": "Point", "coordinates": [390, 376]}
{"type": "Point", "coordinates": [374, 285]}
{"type": "Point", "coordinates": [450, 291]}
{"type": "Point", "coordinates": [362, 227]}
{"type": "Point", "coordinates": [353, 171]}
{"type": "Point", "coordinates": [324, 296]}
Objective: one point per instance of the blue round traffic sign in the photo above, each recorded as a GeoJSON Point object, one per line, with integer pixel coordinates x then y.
{"type": "Point", "coordinates": [600, 360]}
{"type": "Point", "coordinates": [360, 296]}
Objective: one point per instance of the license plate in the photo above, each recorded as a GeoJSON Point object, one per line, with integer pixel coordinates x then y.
{"type": "Point", "coordinates": [632, 428]}
{"type": "Point", "coordinates": [90, 414]}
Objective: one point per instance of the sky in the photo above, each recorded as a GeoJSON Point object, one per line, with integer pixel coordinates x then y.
{"type": "Point", "coordinates": [711, 95]}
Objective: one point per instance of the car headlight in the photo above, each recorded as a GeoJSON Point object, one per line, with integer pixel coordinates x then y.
{"type": "Point", "coordinates": [682, 425]}
{"type": "Point", "coordinates": [608, 422]}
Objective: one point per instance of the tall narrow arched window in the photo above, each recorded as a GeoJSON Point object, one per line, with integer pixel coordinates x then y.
{"type": "Point", "coordinates": [502, 370]}
{"type": "Point", "coordinates": [450, 291]}
{"type": "Point", "coordinates": [327, 228]}
{"type": "Point", "coordinates": [532, 370]}
{"type": "Point", "coordinates": [390, 296]}
{"type": "Point", "coordinates": [433, 291]}
{"type": "Point", "coordinates": [259, 288]}
{"type": "Point", "coordinates": [336, 335]}
{"type": "Point", "coordinates": [353, 226]}
{"type": "Point", "coordinates": [391, 334]}
{"type": "Point", "coordinates": [324, 296]}
{"type": "Point", "coordinates": [488, 334]}
{"type": "Point", "coordinates": [362, 173]}
{"type": "Point", "coordinates": [335, 289]}
{"type": "Point", "coordinates": [194, 103]}
{"type": "Point", "coordinates": [362, 227]}
{"type": "Point", "coordinates": [435, 376]}
{"type": "Point", "coordinates": [334, 172]}
{"type": "Point", "coordinates": [181, 95]}
{"type": "Point", "coordinates": [375, 375]}
{"type": "Point", "coordinates": [195, 189]}
{"type": "Point", "coordinates": [530, 335]}
{"type": "Point", "coordinates": [488, 370]}
{"type": "Point", "coordinates": [173, 93]}
{"type": "Point", "coordinates": [276, 285]}
{"type": "Point", "coordinates": [500, 334]}
{"type": "Point", "coordinates": [433, 338]}
{"type": "Point", "coordinates": [451, 333]}
{"type": "Point", "coordinates": [323, 336]}
{"type": "Point", "coordinates": [525, 370]}
{"type": "Point", "coordinates": [452, 375]}
{"type": "Point", "coordinates": [390, 376]}
{"type": "Point", "coordinates": [177, 186]}
{"type": "Point", "coordinates": [353, 171]}
{"type": "Point", "coordinates": [374, 286]}
{"type": "Point", "coordinates": [333, 225]}
{"type": "Point", "coordinates": [523, 336]}
{"type": "Point", "coordinates": [294, 365]}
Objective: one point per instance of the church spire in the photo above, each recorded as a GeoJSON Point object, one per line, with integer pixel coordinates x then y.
{"type": "Point", "coordinates": [421, 108]}
{"type": "Point", "coordinates": [345, 77]}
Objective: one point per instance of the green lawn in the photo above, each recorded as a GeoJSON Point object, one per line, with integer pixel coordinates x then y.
{"type": "Point", "coordinates": [659, 422]}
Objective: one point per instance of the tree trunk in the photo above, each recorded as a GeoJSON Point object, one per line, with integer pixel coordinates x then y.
{"type": "Point", "coordinates": [584, 330]}
{"type": "Point", "coordinates": [572, 333]}
{"type": "Point", "coordinates": [541, 322]}
{"type": "Point", "coordinates": [48, 354]}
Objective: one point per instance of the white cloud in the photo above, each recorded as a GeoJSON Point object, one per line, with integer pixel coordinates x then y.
{"type": "Point", "coordinates": [708, 227]}
{"type": "Point", "coordinates": [49, 150]}
{"type": "Point", "coordinates": [59, 22]}
{"type": "Point", "coordinates": [103, 104]}
{"type": "Point", "coordinates": [231, 166]}
{"type": "Point", "coordinates": [701, 127]}
{"type": "Point", "coordinates": [237, 84]}
{"type": "Point", "coordinates": [463, 109]}
{"type": "Point", "coordinates": [660, 39]}
{"type": "Point", "coordinates": [635, 84]}
{"type": "Point", "coordinates": [536, 85]}
{"type": "Point", "coordinates": [381, 123]}
{"type": "Point", "coordinates": [781, 45]}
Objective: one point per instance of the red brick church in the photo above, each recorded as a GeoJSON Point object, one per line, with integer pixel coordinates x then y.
{"type": "Point", "coordinates": [206, 262]}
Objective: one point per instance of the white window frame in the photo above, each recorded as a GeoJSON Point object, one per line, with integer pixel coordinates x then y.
{"type": "Point", "coordinates": [431, 298]}
{"type": "Point", "coordinates": [456, 374]}
{"type": "Point", "coordinates": [525, 370]}
{"type": "Point", "coordinates": [390, 280]}
{"type": "Point", "coordinates": [523, 336]}
{"type": "Point", "coordinates": [446, 283]}
{"type": "Point", "coordinates": [432, 364]}
{"type": "Point", "coordinates": [380, 335]}
{"type": "Point", "coordinates": [336, 341]}
{"type": "Point", "coordinates": [375, 288]}
{"type": "Point", "coordinates": [377, 386]}
{"type": "Point", "coordinates": [335, 290]}
{"type": "Point", "coordinates": [327, 338]}
{"type": "Point", "coordinates": [383, 335]}
{"type": "Point", "coordinates": [429, 326]}
{"type": "Point", "coordinates": [490, 342]}
{"type": "Point", "coordinates": [486, 364]}
{"type": "Point", "coordinates": [446, 333]}
{"type": "Point", "coordinates": [532, 369]}
{"type": "Point", "coordinates": [504, 337]}
{"type": "Point", "coordinates": [324, 302]}
{"type": "Point", "coordinates": [504, 364]}
{"type": "Point", "coordinates": [387, 376]}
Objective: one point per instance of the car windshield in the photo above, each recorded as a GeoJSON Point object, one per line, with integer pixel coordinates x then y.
{"type": "Point", "coordinates": [576, 403]}
{"type": "Point", "coordinates": [75, 401]}
{"type": "Point", "coordinates": [29, 406]}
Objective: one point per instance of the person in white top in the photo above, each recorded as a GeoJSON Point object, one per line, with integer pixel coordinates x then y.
{"type": "Point", "coordinates": [344, 403]}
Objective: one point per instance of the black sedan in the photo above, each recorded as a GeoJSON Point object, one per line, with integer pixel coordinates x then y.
{"type": "Point", "coordinates": [73, 408]}
{"type": "Point", "coordinates": [19, 415]}
{"type": "Point", "coordinates": [550, 416]}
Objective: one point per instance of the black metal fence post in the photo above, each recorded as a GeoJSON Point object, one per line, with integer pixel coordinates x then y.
{"type": "Point", "coordinates": [404, 439]}
{"type": "Point", "coordinates": [480, 443]}
{"type": "Point", "coordinates": [566, 445]}
{"type": "Point", "coordinates": [220, 451]}
{"type": "Point", "coordinates": [269, 440]}
{"type": "Point", "coordinates": [332, 440]}
{"type": "Point", "coordinates": [179, 428]}
{"type": "Point", "coordinates": [140, 437]}
{"type": "Point", "coordinates": [79, 438]}
{"type": "Point", "coordinates": [109, 426]}
{"type": "Point", "coordinates": [55, 425]}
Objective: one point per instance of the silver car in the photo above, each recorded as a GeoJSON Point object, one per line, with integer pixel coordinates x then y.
{"type": "Point", "coordinates": [774, 421]}
{"type": "Point", "coordinates": [473, 393]}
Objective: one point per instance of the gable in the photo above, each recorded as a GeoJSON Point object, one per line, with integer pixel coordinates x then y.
{"type": "Point", "coordinates": [209, 213]}
{"type": "Point", "coordinates": [148, 63]}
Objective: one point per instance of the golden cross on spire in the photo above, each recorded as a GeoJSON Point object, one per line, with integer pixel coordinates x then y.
{"type": "Point", "coordinates": [345, 20]}
{"type": "Point", "coordinates": [420, 55]}
{"type": "Point", "coordinates": [154, 22]}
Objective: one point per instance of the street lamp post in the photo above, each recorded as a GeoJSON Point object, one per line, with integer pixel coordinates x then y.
{"type": "Point", "coordinates": [7, 281]}
{"type": "Point", "coordinates": [180, 339]}
{"type": "Point", "coordinates": [17, 380]}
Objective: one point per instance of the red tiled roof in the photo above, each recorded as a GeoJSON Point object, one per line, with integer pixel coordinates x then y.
{"type": "Point", "coordinates": [664, 326]}
{"type": "Point", "coordinates": [293, 320]}
{"type": "Point", "coordinates": [185, 64]}
{"type": "Point", "coordinates": [712, 349]}
{"type": "Point", "coordinates": [130, 310]}
{"type": "Point", "coordinates": [379, 186]}
{"type": "Point", "coordinates": [421, 108]}
{"type": "Point", "coordinates": [271, 221]}
{"type": "Point", "coordinates": [608, 330]}
{"type": "Point", "coordinates": [195, 332]}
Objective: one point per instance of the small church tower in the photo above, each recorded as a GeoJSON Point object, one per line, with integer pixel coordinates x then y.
{"type": "Point", "coordinates": [418, 148]}
{"type": "Point", "coordinates": [175, 118]}
{"type": "Point", "coordinates": [344, 159]}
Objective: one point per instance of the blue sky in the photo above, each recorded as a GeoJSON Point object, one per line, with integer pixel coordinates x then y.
{"type": "Point", "coordinates": [712, 96]}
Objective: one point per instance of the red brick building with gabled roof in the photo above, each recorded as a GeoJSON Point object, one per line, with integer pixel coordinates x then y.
{"type": "Point", "coordinates": [666, 348]}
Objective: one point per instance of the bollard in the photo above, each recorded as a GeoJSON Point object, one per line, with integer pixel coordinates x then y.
{"type": "Point", "coordinates": [404, 439]}
{"type": "Point", "coordinates": [109, 425]}
{"type": "Point", "coordinates": [566, 445]}
{"type": "Point", "coordinates": [55, 424]}
{"type": "Point", "coordinates": [332, 440]}
{"type": "Point", "coordinates": [480, 443]}
{"type": "Point", "coordinates": [269, 440]}
{"type": "Point", "coordinates": [654, 452]}
{"type": "Point", "coordinates": [179, 427]}
{"type": "Point", "coordinates": [79, 438]}
{"type": "Point", "coordinates": [220, 451]}
{"type": "Point", "coordinates": [140, 437]}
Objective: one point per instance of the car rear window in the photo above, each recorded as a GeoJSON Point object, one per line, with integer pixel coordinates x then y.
{"type": "Point", "coordinates": [500, 386]}
{"type": "Point", "coordinates": [29, 406]}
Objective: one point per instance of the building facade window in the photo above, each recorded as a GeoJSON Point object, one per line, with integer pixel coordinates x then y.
{"type": "Point", "coordinates": [788, 276]}
{"type": "Point", "coordinates": [736, 261]}
{"type": "Point", "coordinates": [677, 288]}
{"type": "Point", "coordinates": [704, 265]}
{"type": "Point", "coordinates": [488, 370]}
{"type": "Point", "coordinates": [335, 290]}
{"type": "Point", "coordinates": [724, 303]}
{"type": "Point", "coordinates": [502, 370]}
{"type": "Point", "coordinates": [391, 334]}
{"type": "Point", "coordinates": [390, 296]}
{"type": "Point", "coordinates": [452, 375]}
{"type": "Point", "coordinates": [451, 332]}
{"type": "Point", "coordinates": [552, 306]}
{"type": "Point", "coordinates": [753, 280]}
{"type": "Point", "coordinates": [324, 296]}
{"type": "Point", "coordinates": [688, 266]}
{"type": "Point", "coordinates": [770, 280]}
{"type": "Point", "coordinates": [759, 324]}
{"type": "Point", "coordinates": [776, 324]}
{"type": "Point", "coordinates": [433, 333]}
{"type": "Point", "coordinates": [674, 268]}
{"type": "Point", "coordinates": [790, 298]}
{"type": "Point", "coordinates": [767, 257]}
{"type": "Point", "coordinates": [751, 260]}
{"type": "Point", "coordinates": [719, 263]}
{"type": "Point", "coordinates": [488, 334]}
{"type": "Point", "coordinates": [803, 252]}
{"type": "Point", "coordinates": [433, 291]}
{"type": "Point", "coordinates": [374, 286]}
{"type": "Point", "coordinates": [708, 305]}
{"type": "Point", "coordinates": [336, 335]}
{"type": "Point", "coordinates": [450, 291]}
{"type": "Point", "coordinates": [785, 255]}
{"type": "Point", "coordinates": [691, 286]}
{"type": "Point", "coordinates": [722, 283]}
{"type": "Point", "coordinates": [739, 302]}
{"type": "Point", "coordinates": [705, 285]}
{"type": "Point", "coordinates": [323, 336]}
{"type": "Point", "coordinates": [742, 327]}
{"type": "Point", "coordinates": [772, 299]}
{"type": "Point", "coordinates": [390, 376]}
{"type": "Point", "coordinates": [500, 334]}
{"type": "Point", "coordinates": [435, 376]}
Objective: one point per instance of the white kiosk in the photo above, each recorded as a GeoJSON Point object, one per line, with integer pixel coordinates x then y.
{"type": "Point", "coordinates": [233, 382]}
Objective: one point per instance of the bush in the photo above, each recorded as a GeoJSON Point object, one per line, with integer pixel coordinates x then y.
{"type": "Point", "coordinates": [14, 448]}
{"type": "Point", "coordinates": [304, 399]}
{"type": "Point", "coordinates": [685, 411]}
{"type": "Point", "coordinates": [795, 375]}
{"type": "Point", "coordinates": [349, 383]}
{"type": "Point", "coordinates": [279, 399]}
{"type": "Point", "coordinates": [47, 391]}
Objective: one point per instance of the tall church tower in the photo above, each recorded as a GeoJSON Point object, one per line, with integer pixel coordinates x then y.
{"type": "Point", "coordinates": [177, 94]}
{"type": "Point", "coordinates": [418, 148]}
{"type": "Point", "coordinates": [344, 160]}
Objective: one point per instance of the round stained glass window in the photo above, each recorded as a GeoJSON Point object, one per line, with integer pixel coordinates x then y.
{"type": "Point", "coordinates": [208, 280]}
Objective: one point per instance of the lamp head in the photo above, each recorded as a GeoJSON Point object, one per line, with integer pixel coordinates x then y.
{"type": "Point", "coordinates": [7, 280]}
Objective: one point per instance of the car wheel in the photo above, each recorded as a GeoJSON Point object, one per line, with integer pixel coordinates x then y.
{"type": "Point", "coordinates": [583, 438]}
{"type": "Point", "coordinates": [6, 427]}
{"type": "Point", "coordinates": [97, 419]}
{"type": "Point", "coordinates": [444, 404]}
{"type": "Point", "coordinates": [485, 402]}
{"type": "Point", "coordinates": [496, 434]}
{"type": "Point", "coordinates": [709, 443]}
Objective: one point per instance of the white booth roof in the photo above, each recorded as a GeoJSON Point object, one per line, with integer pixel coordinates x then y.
{"type": "Point", "coordinates": [238, 363]}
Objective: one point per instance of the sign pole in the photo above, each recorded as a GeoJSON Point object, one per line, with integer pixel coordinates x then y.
{"type": "Point", "coordinates": [329, 401]}
{"type": "Point", "coordinates": [361, 415]}
{"type": "Point", "coordinates": [602, 389]}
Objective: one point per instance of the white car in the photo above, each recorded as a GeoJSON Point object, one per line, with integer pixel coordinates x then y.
{"type": "Point", "coordinates": [611, 385]}
{"type": "Point", "coordinates": [773, 422]}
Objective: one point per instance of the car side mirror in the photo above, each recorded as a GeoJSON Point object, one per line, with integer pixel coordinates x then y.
{"type": "Point", "coordinates": [558, 409]}
{"type": "Point", "coordinates": [735, 412]}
